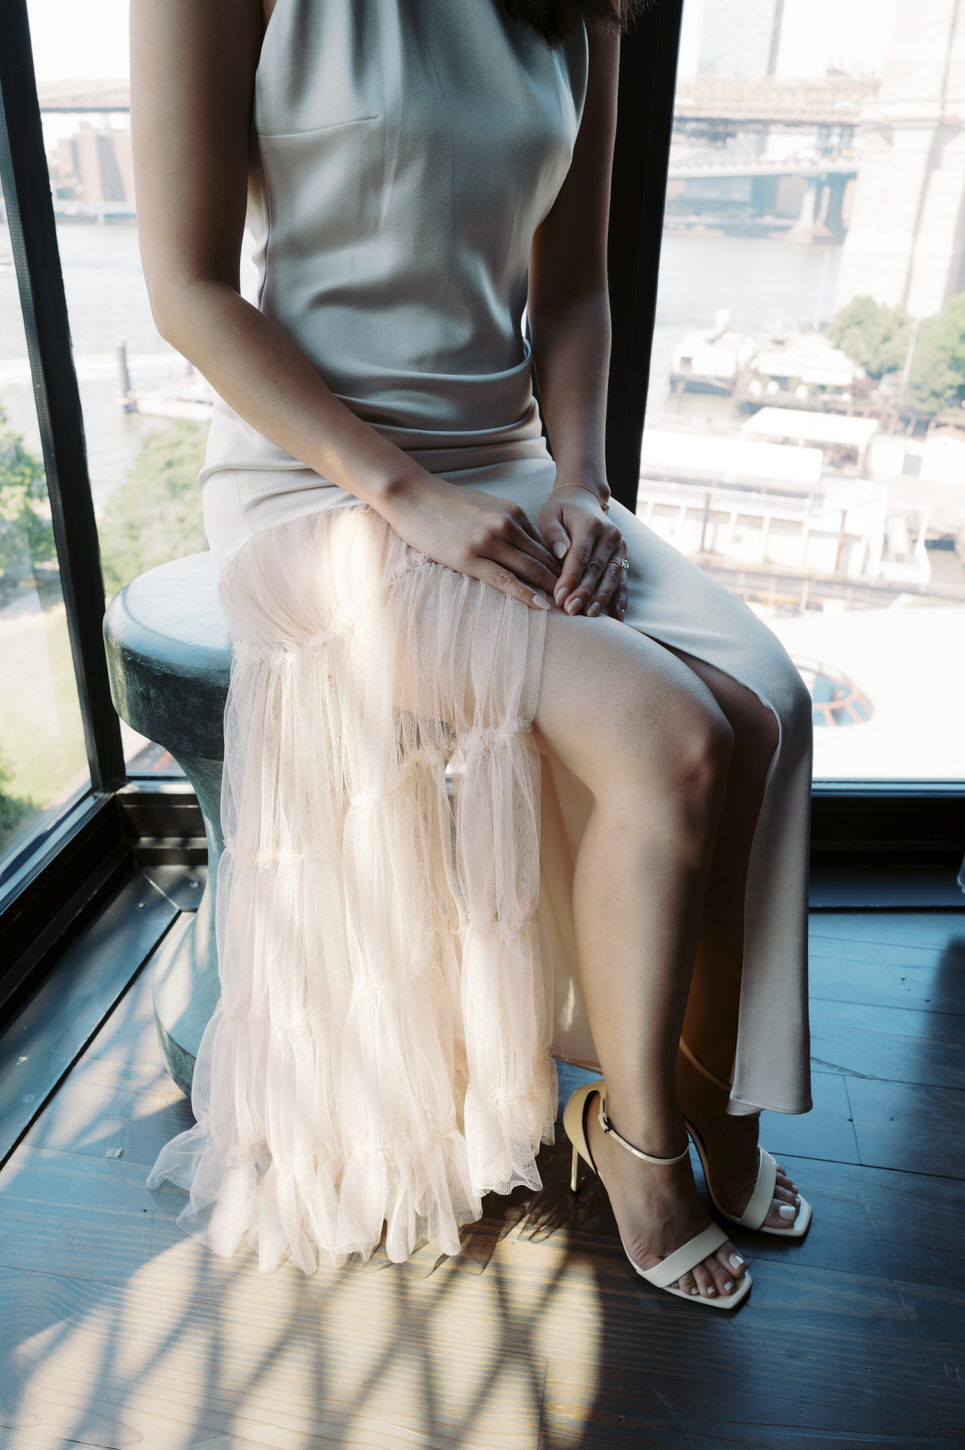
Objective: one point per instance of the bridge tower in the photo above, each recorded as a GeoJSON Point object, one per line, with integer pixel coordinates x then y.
{"type": "Point", "coordinates": [906, 242]}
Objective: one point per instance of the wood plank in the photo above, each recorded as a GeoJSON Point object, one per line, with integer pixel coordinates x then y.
{"type": "Point", "coordinates": [825, 1132]}
{"type": "Point", "coordinates": [888, 977]}
{"type": "Point", "coordinates": [934, 929]}
{"type": "Point", "coordinates": [340, 1359]}
{"type": "Point", "coordinates": [812, 1349]}
{"type": "Point", "coordinates": [899, 1044]}
{"type": "Point", "coordinates": [112, 1109]}
{"type": "Point", "coordinates": [625, 1432]}
{"type": "Point", "coordinates": [913, 1129]}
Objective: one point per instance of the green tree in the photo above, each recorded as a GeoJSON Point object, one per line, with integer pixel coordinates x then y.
{"type": "Point", "coordinates": [13, 808]}
{"type": "Point", "coordinates": [871, 334]}
{"type": "Point", "coordinates": [26, 533]}
{"type": "Point", "coordinates": [155, 515]}
{"type": "Point", "coordinates": [936, 380]}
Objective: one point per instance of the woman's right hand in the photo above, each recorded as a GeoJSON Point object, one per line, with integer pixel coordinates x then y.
{"type": "Point", "coordinates": [475, 533]}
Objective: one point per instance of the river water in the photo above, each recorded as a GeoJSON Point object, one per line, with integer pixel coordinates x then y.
{"type": "Point", "coordinates": [763, 281]}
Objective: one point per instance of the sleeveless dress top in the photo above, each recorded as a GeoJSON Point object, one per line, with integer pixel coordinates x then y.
{"type": "Point", "coordinates": [403, 153]}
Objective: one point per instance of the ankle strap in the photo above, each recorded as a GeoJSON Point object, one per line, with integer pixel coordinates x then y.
{"type": "Point", "coordinates": [711, 1076]}
{"type": "Point", "coordinates": [608, 1127]}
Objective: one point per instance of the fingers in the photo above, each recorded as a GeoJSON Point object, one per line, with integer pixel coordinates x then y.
{"type": "Point", "coordinates": [620, 597]}
{"type": "Point", "coordinates": [529, 556]}
{"type": "Point", "coordinates": [611, 581]}
{"type": "Point", "coordinates": [591, 572]}
{"type": "Point", "coordinates": [511, 584]}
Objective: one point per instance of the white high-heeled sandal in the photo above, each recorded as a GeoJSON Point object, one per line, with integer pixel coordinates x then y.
{"type": "Point", "coordinates": [690, 1254]}
{"type": "Point", "coordinates": [759, 1203]}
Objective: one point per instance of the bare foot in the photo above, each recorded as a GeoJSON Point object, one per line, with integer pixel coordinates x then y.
{"type": "Point", "coordinates": [657, 1209]}
{"type": "Point", "coordinates": [731, 1145]}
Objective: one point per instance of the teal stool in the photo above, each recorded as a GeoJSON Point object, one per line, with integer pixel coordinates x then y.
{"type": "Point", "coordinates": [169, 659]}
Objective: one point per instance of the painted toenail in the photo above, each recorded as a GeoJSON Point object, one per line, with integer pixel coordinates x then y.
{"type": "Point", "coordinates": [695, 1291]}
{"type": "Point", "coordinates": [711, 1289]}
{"type": "Point", "coordinates": [788, 1210]}
{"type": "Point", "coordinates": [736, 1261]}
{"type": "Point", "coordinates": [728, 1285]}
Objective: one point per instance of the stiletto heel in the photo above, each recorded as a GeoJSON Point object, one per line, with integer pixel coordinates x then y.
{"type": "Point", "coordinates": [690, 1254]}
{"type": "Point", "coordinates": [759, 1204]}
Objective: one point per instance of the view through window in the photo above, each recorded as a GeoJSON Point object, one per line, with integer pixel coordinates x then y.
{"type": "Point", "coordinates": [805, 437]}
{"type": "Point", "coordinates": [145, 410]}
{"type": "Point", "coordinates": [43, 758]}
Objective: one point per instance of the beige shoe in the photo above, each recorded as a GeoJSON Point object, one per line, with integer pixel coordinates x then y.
{"type": "Point", "coordinates": [690, 1254]}
{"type": "Point", "coordinates": [760, 1200]}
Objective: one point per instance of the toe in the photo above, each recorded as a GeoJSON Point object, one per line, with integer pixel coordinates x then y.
{"type": "Point", "coordinates": [688, 1284]}
{"type": "Point", "coordinates": [782, 1214]}
{"type": "Point", "coordinates": [705, 1281]}
{"type": "Point", "coordinates": [732, 1260]}
{"type": "Point", "coordinates": [724, 1278]}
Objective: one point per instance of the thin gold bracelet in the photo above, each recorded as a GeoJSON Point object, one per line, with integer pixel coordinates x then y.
{"type": "Point", "coordinates": [603, 502]}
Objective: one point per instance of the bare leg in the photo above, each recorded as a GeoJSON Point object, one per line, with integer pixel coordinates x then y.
{"type": "Point", "coordinates": [645, 735]}
{"type": "Point", "coordinates": [710, 1023]}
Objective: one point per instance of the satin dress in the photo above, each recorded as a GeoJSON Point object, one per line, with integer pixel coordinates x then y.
{"type": "Point", "coordinates": [396, 947]}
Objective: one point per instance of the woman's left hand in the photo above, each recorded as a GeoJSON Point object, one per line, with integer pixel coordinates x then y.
{"type": "Point", "coordinates": [578, 531]}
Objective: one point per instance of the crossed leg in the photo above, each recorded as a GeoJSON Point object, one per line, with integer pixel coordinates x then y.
{"type": "Point", "coordinates": [646, 736]}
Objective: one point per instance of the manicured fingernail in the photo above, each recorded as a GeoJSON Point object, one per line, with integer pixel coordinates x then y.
{"type": "Point", "coordinates": [560, 595]}
{"type": "Point", "coordinates": [559, 548]}
{"type": "Point", "coordinates": [787, 1210]}
{"type": "Point", "coordinates": [540, 602]}
{"type": "Point", "coordinates": [594, 608]}
{"type": "Point", "coordinates": [572, 605]}
{"type": "Point", "coordinates": [736, 1260]}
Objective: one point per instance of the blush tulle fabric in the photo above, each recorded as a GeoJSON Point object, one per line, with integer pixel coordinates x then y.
{"type": "Point", "coordinates": [380, 1054]}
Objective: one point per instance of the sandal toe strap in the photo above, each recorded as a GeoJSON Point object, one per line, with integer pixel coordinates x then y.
{"type": "Point", "coordinates": [687, 1257]}
{"type": "Point", "coordinates": [760, 1200]}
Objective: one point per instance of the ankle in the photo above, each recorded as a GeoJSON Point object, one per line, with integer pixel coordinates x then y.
{"type": "Point", "coordinates": [659, 1134]}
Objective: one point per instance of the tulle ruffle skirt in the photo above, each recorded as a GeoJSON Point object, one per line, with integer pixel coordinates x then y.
{"type": "Point", "coordinates": [380, 1054]}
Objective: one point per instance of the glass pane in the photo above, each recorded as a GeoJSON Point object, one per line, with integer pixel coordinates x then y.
{"type": "Point", "coordinates": [805, 437]}
{"type": "Point", "coordinates": [43, 756]}
{"type": "Point", "coordinates": [146, 410]}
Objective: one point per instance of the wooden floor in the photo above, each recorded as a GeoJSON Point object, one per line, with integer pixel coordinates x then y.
{"type": "Point", "coordinates": [118, 1331]}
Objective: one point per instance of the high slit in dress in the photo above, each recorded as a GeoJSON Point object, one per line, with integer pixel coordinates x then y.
{"type": "Point", "coordinates": [395, 940]}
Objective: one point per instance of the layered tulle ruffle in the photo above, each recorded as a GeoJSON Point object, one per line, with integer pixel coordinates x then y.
{"type": "Point", "coordinates": [380, 1054]}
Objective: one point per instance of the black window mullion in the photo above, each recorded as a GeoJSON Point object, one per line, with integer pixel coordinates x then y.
{"type": "Point", "coordinates": [648, 74]}
{"type": "Point", "coordinates": [30, 214]}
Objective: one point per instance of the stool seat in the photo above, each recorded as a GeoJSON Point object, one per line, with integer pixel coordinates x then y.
{"type": "Point", "coordinates": [168, 648]}
{"type": "Point", "coordinates": [169, 660]}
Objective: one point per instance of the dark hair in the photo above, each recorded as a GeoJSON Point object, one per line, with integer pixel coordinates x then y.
{"type": "Point", "coordinates": [560, 20]}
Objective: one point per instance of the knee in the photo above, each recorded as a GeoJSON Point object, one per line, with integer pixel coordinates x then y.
{"type": "Point", "coordinates": [697, 771]}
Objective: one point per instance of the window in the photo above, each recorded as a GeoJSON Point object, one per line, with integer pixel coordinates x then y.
{"type": "Point", "coordinates": [43, 758]}
{"type": "Point", "coordinates": [805, 436]}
